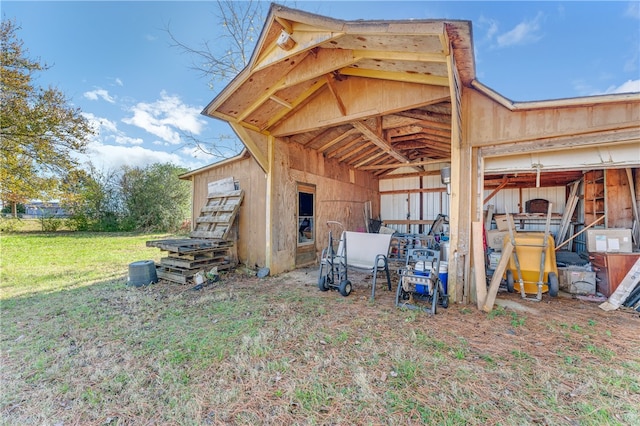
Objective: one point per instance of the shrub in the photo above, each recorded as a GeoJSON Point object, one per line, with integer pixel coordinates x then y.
{"type": "Point", "coordinates": [51, 224]}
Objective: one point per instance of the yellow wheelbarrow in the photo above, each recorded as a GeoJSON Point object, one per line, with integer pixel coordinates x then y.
{"type": "Point", "coordinates": [532, 266]}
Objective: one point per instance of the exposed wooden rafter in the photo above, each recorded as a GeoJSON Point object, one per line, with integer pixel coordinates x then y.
{"type": "Point", "coordinates": [377, 140]}
{"type": "Point", "coordinates": [396, 76]}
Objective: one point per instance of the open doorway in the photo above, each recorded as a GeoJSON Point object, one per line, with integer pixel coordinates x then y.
{"type": "Point", "coordinates": [306, 229]}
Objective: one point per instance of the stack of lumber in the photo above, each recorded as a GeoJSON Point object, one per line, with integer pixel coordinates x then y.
{"type": "Point", "coordinates": [210, 244]}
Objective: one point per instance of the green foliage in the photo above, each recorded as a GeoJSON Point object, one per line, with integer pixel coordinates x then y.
{"type": "Point", "coordinates": [20, 209]}
{"type": "Point", "coordinates": [39, 131]}
{"type": "Point", "coordinates": [51, 224]}
{"type": "Point", "coordinates": [9, 224]}
{"type": "Point", "coordinates": [127, 199]}
{"type": "Point", "coordinates": [154, 198]}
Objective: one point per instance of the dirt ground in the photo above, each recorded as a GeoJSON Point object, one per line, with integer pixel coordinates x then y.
{"type": "Point", "coordinates": [564, 309]}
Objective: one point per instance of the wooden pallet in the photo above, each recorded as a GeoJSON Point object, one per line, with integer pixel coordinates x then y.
{"type": "Point", "coordinates": [189, 245]}
{"type": "Point", "coordinates": [184, 276]}
{"type": "Point", "coordinates": [188, 256]}
{"type": "Point", "coordinates": [218, 214]}
{"type": "Point", "coordinates": [208, 246]}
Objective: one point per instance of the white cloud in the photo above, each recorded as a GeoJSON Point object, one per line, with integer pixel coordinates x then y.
{"type": "Point", "coordinates": [119, 82]}
{"type": "Point", "coordinates": [94, 95]}
{"type": "Point", "coordinates": [106, 129]}
{"type": "Point", "coordinates": [627, 87]}
{"type": "Point", "coordinates": [166, 118]}
{"type": "Point", "coordinates": [122, 139]}
{"type": "Point", "coordinates": [100, 125]}
{"type": "Point", "coordinates": [584, 89]}
{"type": "Point", "coordinates": [112, 157]}
{"type": "Point", "coordinates": [491, 26]}
{"type": "Point", "coordinates": [525, 32]}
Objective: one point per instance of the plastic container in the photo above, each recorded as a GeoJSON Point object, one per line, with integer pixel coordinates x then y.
{"type": "Point", "coordinates": [419, 269]}
{"type": "Point", "coordinates": [142, 273]}
{"type": "Point", "coordinates": [443, 274]}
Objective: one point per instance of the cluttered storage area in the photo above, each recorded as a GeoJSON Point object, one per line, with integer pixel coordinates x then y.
{"type": "Point", "coordinates": [565, 233]}
{"type": "Point", "coordinates": [591, 218]}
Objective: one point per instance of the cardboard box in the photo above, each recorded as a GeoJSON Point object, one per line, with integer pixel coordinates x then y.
{"type": "Point", "coordinates": [495, 238]}
{"type": "Point", "coordinates": [501, 222]}
{"type": "Point", "coordinates": [576, 280]}
{"type": "Point", "coordinates": [609, 240]}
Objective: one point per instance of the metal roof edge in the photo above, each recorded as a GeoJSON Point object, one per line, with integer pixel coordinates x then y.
{"type": "Point", "coordinates": [554, 103]}
{"type": "Point", "coordinates": [241, 156]}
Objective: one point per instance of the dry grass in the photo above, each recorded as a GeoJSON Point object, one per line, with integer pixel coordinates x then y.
{"type": "Point", "coordinates": [278, 351]}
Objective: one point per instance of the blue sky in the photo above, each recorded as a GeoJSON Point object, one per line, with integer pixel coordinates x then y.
{"type": "Point", "coordinates": [114, 61]}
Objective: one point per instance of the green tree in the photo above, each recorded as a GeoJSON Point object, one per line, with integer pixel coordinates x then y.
{"type": "Point", "coordinates": [154, 198]}
{"type": "Point", "coordinates": [93, 199]}
{"type": "Point", "coordinates": [39, 131]}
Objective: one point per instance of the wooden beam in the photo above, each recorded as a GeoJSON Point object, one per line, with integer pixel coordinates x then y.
{"type": "Point", "coordinates": [336, 96]}
{"type": "Point", "coordinates": [412, 174]}
{"type": "Point", "coordinates": [337, 139]}
{"type": "Point", "coordinates": [504, 183]}
{"type": "Point", "coordinates": [304, 96]}
{"type": "Point", "coordinates": [286, 25]}
{"type": "Point", "coordinates": [309, 67]}
{"type": "Point", "coordinates": [413, 191]}
{"type": "Point", "coordinates": [346, 147]}
{"type": "Point", "coordinates": [433, 80]}
{"type": "Point", "coordinates": [555, 142]}
{"type": "Point", "coordinates": [270, 204]}
{"type": "Point", "coordinates": [401, 56]}
{"type": "Point", "coordinates": [413, 163]}
{"type": "Point", "coordinates": [377, 140]}
{"type": "Point", "coordinates": [367, 160]}
{"type": "Point", "coordinates": [362, 154]}
{"type": "Point", "coordinates": [478, 262]}
{"type": "Point", "coordinates": [251, 146]}
{"type": "Point", "coordinates": [282, 102]}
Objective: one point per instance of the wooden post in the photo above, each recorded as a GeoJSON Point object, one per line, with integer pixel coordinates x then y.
{"type": "Point", "coordinates": [478, 263]}
{"type": "Point", "coordinates": [269, 205]}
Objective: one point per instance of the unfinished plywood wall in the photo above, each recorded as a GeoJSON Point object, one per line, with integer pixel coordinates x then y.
{"type": "Point", "coordinates": [340, 196]}
{"type": "Point", "coordinates": [251, 218]}
{"type": "Point", "coordinates": [618, 199]}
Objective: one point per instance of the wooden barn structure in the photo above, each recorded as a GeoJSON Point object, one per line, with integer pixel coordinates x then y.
{"type": "Point", "coordinates": [336, 115]}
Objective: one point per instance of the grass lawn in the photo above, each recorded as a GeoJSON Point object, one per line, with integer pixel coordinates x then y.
{"type": "Point", "coordinates": [79, 346]}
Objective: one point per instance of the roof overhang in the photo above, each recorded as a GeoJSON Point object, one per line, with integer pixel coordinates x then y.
{"type": "Point", "coordinates": [371, 94]}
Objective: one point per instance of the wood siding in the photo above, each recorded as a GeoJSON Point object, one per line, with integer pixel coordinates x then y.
{"type": "Point", "coordinates": [251, 219]}
{"type": "Point", "coordinates": [340, 196]}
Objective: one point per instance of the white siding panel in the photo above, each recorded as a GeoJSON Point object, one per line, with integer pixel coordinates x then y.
{"type": "Point", "coordinates": [407, 206]}
{"type": "Point", "coordinates": [622, 155]}
{"type": "Point", "coordinates": [508, 200]}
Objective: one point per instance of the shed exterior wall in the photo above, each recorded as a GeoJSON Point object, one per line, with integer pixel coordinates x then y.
{"type": "Point", "coordinates": [251, 216]}
{"type": "Point", "coordinates": [340, 196]}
